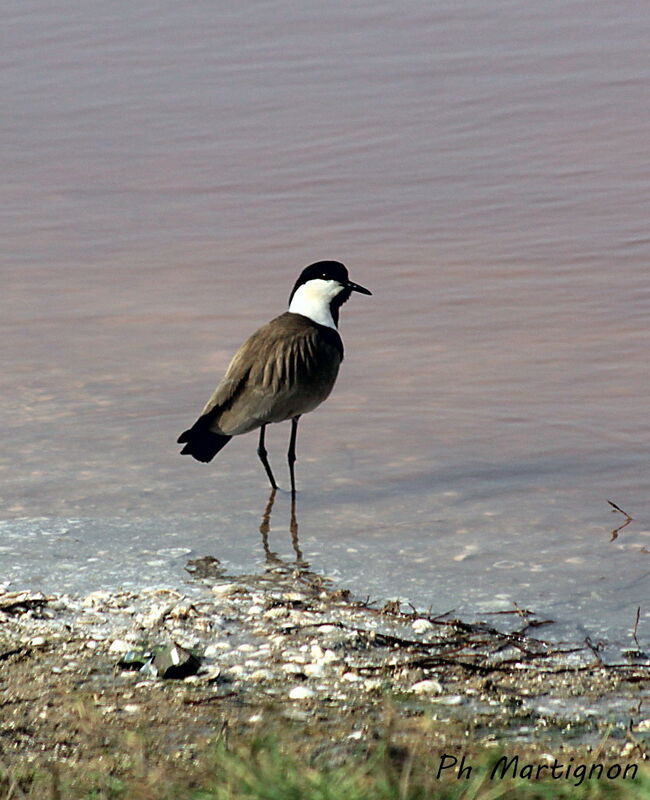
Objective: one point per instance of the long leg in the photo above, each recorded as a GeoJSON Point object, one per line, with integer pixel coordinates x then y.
{"type": "Point", "coordinates": [291, 455]}
{"type": "Point", "coordinates": [261, 452]}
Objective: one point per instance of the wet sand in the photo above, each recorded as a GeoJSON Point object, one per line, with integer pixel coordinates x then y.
{"type": "Point", "coordinates": [285, 647]}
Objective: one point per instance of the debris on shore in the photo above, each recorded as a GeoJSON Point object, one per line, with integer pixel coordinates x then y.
{"type": "Point", "coordinates": [287, 642]}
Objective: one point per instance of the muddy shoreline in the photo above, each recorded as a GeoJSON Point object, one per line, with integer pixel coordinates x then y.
{"type": "Point", "coordinates": [285, 647]}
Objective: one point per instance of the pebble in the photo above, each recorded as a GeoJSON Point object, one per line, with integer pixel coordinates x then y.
{"type": "Point", "coordinates": [329, 656]}
{"type": "Point", "coordinates": [428, 686]}
{"type": "Point", "coordinates": [294, 597]}
{"type": "Point", "coordinates": [94, 599]}
{"type": "Point", "coordinates": [292, 669]}
{"type": "Point", "coordinates": [300, 618]}
{"type": "Point", "coordinates": [422, 625]}
{"type": "Point", "coordinates": [298, 658]}
{"type": "Point", "coordinates": [154, 616]}
{"type": "Point", "coordinates": [276, 613]}
{"type": "Point", "coordinates": [451, 700]}
{"type": "Point", "coordinates": [216, 649]}
{"type": "Point", "coordinates": [226, 589]}
{"type": "Point", "coordinates": [261, 675]}
{"type": "Point", "coordinates": [182, 611]}
{"type": "Point", "coordinates": [301, 693]}
{"type": "Point", "coordinates": [314, 670]}
{"type": "Point", "coordinates": [210, 673]}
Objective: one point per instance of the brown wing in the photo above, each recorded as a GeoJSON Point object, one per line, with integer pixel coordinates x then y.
{"type": "Point", "coordinates": [285, 368]}
{"type": "Point", "coordinates": [235, 378]}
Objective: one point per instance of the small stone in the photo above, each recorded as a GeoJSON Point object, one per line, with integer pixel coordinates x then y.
{"type": "Point", "coordinates": [131, 708]}
{"type": "Point", "coordinates": [315, 670]}
{"type": "Point", "coordinates": [294, 597]}
{"type": "Point", "coordinates": [226, 589]}
{"type": "Point", "coordinates": [301, 693]}
{"type": "Point", "coordinates": [261, 675]}
{"type": "Point", "coordinates": [276, 613]}
{"type": "Point", "coordinates": [292, 669]}
{"type": "Point", "coordinates": [216, 649]}
{"type": "Point", "coordinates": [182, 611]}
{"type": "Point", "coordinates": [204, 567]}
{"type": "Point", "coordinates": [211, 674]}
{"type": "Point", "coordinates": [154, 616]}
{"type": "Point", "coordinates": [300, 618]}
{"type": "Point", "coordinates": [351, 677]}
{"type": "Point", "coordinates": [330, 656]}
{"type": "Point", "coordinates": [37, 641]}
{"type": "Point", "coordinates": [119, 646]}
{"type": "Point", "coordinates": [291, 655]}
{"type": "Point", "coordinates": [428, 686]}
{"type": "Point", "coordinates": [95, 599]}
{"type": "Point", "coordinates": [422, 625]}
{"type": "Point", "coordinates": [451, 700]}
{"type": "Point", "coordinates": [644, 725]}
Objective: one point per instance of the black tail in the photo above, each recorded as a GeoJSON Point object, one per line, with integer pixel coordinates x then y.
{"type": "Point", "coordinates": [202, 444]}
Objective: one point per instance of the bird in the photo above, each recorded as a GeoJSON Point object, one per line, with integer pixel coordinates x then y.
{"type": "Point", "coordinates": [285, 369]}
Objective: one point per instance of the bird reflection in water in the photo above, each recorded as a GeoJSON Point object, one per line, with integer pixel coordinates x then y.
{"type": "Point", "coordinates": [272, 558]}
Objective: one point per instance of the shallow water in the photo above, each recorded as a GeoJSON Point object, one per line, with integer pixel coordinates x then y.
{"type": "Point", "coordinates": [167, 173]}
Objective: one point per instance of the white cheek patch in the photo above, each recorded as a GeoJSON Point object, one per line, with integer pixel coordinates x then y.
{"type": "Point", "coordinates": [313, 298]}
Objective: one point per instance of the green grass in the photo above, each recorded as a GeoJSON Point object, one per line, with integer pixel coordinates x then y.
{"type": "Point", "coordinates": [262, 769]}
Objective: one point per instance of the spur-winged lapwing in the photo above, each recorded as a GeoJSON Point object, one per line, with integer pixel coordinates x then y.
{"type": "Point", "coordinates": [285, 369]}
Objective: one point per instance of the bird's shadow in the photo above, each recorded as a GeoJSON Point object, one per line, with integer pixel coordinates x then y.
{"type": "Point", "coordinates": [272, 558]}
